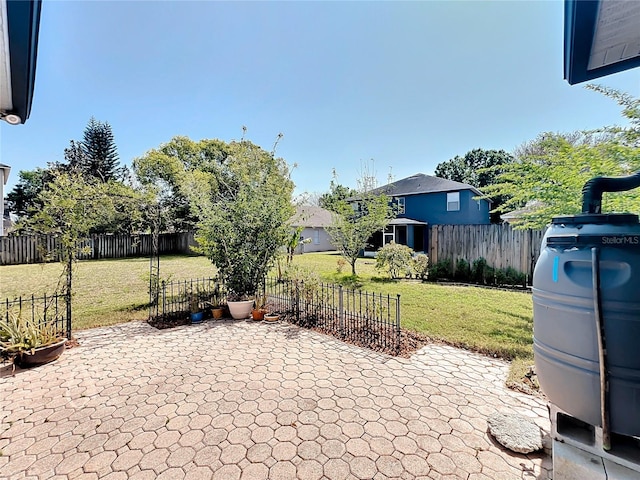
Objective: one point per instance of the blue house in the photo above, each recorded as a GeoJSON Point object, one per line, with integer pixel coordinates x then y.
{"type": "Point", "coordinates": [423, 200]}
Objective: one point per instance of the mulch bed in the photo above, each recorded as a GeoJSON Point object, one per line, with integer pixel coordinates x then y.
{"type": "Point", "coordinates": [170, 321]}
{"type": "Point", "coordinates": [375, 337]}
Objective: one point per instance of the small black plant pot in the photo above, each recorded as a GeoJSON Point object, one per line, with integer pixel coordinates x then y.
{"type": "Point", "coordinates": [41, 355]}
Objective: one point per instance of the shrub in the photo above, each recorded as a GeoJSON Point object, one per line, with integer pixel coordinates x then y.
{"type": "Point", "coordinates": [303, 288]}
{"type": "Point", "coordinates": [396, 259]}
{"type": "Point", "coordinates": [303, 282]}
{"type": "Point", "coordinates": [441, 270]}
{"type": "Point", "coordinates": [514, 277]}
{"type": "Point", "coordinates": [499, 277]}
{"type": "Point", "coordinates": [420, 266]}
{"type": "Point", "coordinates": [479, 271]}
{"type": "Point", "coordinates": [490, 276]}
{"type": "Point", "coordinates": [463, 271]}
{"type": "Point", "coordinates": [244, 205]}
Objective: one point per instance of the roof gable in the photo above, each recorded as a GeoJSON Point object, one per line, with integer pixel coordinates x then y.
{"type": "Point", "coordinates": [311, 216]}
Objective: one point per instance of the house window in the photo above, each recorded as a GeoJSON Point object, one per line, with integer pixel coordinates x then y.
{"type": "Point", "coordinates": [389, 234]}
{"type": "Point", "coordinates": [453, 201]}
{"type": "Point", "coordinates": [316, 237]}
{"type": "Point", "coordinates": [400, 204]}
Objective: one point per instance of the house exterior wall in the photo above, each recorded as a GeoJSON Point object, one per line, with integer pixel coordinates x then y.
{"type": "Point", "coordinates": [324, 242]}
{"type": "Point", "coordinates": [432, 208]}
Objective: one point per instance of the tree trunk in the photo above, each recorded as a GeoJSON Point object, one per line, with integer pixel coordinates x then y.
{"type": "Point", "coordinates": [353, 266]}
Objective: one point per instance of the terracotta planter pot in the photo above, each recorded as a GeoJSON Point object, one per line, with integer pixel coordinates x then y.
{"type": "Point", "coordinates": [257, 314]}
{"type": "Point", "coordinates": [271, 317]}
{"type": "Point", "coordinates": [41, 355]}
{"type": "Point", "coordinates": [217, 313]}
{"type": "Point", "coordinates": [240, 310]}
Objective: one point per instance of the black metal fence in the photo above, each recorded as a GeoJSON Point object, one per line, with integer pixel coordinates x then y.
{"type": "Point", "coordinates": [177, 298]}
{"type": "Point", "coordinates": [366, 319]}
{"type": "Point", "coordinates": [48, 309]}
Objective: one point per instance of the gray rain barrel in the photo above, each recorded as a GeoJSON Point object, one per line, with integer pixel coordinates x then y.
{"type": "Point", "coordinates": [567, 309]}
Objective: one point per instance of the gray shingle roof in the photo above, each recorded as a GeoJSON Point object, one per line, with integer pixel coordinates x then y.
{"type": "Point", "coordinates": [310, 216]}
{"type": "Point", "coordinates": [421, 183]}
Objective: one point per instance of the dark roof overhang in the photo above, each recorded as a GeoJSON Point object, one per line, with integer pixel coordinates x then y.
{"type": "Point", "coordinates": [19, 29]}
{"type": "Point", "coordinates": [601, 37]}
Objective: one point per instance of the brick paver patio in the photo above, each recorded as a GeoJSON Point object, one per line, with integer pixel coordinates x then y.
{"type": "Point", "coordinates": [241, 400]}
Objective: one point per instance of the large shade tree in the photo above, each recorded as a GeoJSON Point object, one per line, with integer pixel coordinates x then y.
{"type": "Point", "coordinates": [551, 184]}
{"type": "Point", "coordinates": [163, 170]}
{"type": "Point", "coordinates": [548, 173]}
{"type": "Point", "coordinates": [23, 198]}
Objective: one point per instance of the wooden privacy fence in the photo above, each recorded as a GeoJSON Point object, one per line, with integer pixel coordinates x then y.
{"type": "Point", "coordinates": [45, 248]}
{"type": "Point", "coordinates": [501, 245]}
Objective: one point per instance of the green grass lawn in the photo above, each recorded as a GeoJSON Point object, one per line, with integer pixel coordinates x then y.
{"type": "Point", "coordinates": [490, 321]}
{"type": "Point", "coordinates": [495, 322]}
{"type": "Point", "coordinates": [105, 291]}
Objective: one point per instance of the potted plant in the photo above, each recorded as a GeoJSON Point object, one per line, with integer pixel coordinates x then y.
{"type": "Point", "coordinates": [259, 307]}
{"type": "Point", "coordinates": [195, 309]}
{"type": "Point", "coordinates": [244, 208]}
{"type": "Point", "coordinates": [216, 302]}
{"type": "Point", "coordinates": [29, 342]}
{"type": "Point", "coordinates": [217, 312]}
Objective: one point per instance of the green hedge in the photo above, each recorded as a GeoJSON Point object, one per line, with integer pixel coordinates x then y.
{"type": "Point", "coordinates": [478, 272]}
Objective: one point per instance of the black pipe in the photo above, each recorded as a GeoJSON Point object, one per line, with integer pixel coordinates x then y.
{"type": "Point", "coordinates": [594, 188]}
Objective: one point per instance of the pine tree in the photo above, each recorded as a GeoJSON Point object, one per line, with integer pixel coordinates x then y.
{"type": "Point", "coordinates": [99, 157]}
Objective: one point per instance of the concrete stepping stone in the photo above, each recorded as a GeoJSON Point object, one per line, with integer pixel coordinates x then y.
{"type": "Point", "coordinates": [516, 432]}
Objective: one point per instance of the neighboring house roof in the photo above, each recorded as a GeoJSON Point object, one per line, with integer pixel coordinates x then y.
{"type": "Point", "coordinates": [19, 26]}
{"type": "Point", "coordinates": [421, 183]}
{"type": "Point", "coordinates": [312, 217]}
{"type": "Point", "coordinates": [515, 215]}
{"type": "Point", "coordinates": [6, 170]}
{"type": "Point", "coordinates": [406, 221]}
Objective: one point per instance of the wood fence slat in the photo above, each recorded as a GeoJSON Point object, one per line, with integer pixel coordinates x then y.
{"type": "Point", "coordinates": [17, 250]}
{"type": "Point", "coordinates": [500, 245]}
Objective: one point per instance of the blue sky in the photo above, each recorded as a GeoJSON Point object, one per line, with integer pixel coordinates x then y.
{"type": "Point", "coordinates": [407, 84]}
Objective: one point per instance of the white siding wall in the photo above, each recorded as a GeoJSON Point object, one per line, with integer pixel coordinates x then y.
{"type": "Point", "coordinates": [324, 243]}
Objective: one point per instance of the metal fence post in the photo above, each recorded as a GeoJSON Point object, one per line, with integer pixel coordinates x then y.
{"type": "Point", "coordinates": [297, 300]}
{"type": "Point", "coordinates": [68, 300]}
{"type": "Point", "coordinates": [398, 334]}
{"type": "Point", "coordinates": [164, 298]}
{"type": "Point", "coordinates": [341, 310]}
